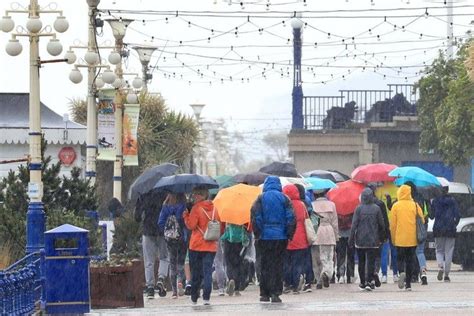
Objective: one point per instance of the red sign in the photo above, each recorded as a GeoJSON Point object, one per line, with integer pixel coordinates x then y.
{"type": "Point", "coordinates": [67, 155]}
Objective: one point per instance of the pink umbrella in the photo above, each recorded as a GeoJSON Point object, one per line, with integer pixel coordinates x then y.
{"type": "Point", "coordinates": [373, 172]}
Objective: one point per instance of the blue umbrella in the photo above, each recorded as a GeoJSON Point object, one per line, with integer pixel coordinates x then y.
{"type": "Point", "coordinates": [185, 183]}
{"type": "Point", "coordinates": [320, 184]}
{"type": "Point", "coordinates": [416, 175]}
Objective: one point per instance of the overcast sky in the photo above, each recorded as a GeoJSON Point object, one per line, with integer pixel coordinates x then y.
{"type": "Point", "coordinates": [409, 41]}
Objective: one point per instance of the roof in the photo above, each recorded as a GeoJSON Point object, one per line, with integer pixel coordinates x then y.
{"type": "Point", "coordinates": [66, 228]}
{"type": "Point", "coordinates": [14, 113]}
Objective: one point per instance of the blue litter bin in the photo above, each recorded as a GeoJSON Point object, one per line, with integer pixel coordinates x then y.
{"type": "Point", "coordinates": [67, 270]}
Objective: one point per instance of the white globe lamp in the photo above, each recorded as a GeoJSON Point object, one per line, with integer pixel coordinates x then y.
{"type": "Point", "coordinates": [70, 57]}
{"type": "Point", "coordinates": [13, 47]}
{"type": "Point", "coordinates": [7, 24]}
{"type": "Point", "coordinates": [91, 57]}
{"type": "Point", "coordinates": [99, 82]}
{"type": "Point", "coordinates": [75, 76]}
{"type": "Point", "coordinates": [61, 25]}
{"type": "Point", "coordinates": [137, 83]}
{"type": "Point", "coordinates": [54, 47]}
{"type": "Point", "coordinates": [108, 76]}
{"type": "Point", "coordinates": [114, 58]}
{"type": "Point", "coordinates": [132, 98]}
{"type": "Point", "coordinates": [34, 24]}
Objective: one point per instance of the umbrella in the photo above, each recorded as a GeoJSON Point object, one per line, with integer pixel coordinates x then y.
{"type": "Point", "coordinates": [147, 180]}
{"type": "Point", "coordinates": [224, 181]}
{"type": "Point", "coordinates": [281, 169]}
{"type": "Point", "coordinates": [418, 176]}
{"type": "Point", "coordinates": [254, 178]}
{"type": "Point", "coordinates": [333, 175]}
{"type": "Point", "coordinates": [185, 183]}
{"type": "Point", "coordinates": [291, 180]}
{"type": "Point", "coordinates": [320, 184]}
{"type": "Point", "coordinates": [234, 203]}
{"type": "Point", "coordinates": [373, 172]}
{"type": "Point", "coordinates": [346, 196]}
{"type": "Point", "coordinates": [431, 192]}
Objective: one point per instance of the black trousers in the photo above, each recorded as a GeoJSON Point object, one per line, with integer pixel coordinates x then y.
{"type": "Point", "coordinates": [234, 263]}
{"type": "Point", "coordinates": [366, 257]}
{"type": "Point", "coordinates": [272, 253]}
{"type": "Point", "coordinates": [345, 258]}
{"type": "Point", "coordinates": [405, 262]}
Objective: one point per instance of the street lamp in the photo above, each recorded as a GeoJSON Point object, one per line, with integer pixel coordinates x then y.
{"type": "Point", "coordinates": [145, 53]}
{"type": "Point", "coordinates": [297, 94]}
{"type": "Point", "coordinates": [119, 29]}
{"type": "Point", "coordinates": [35, 219]}
{"type": "Point", "coordinates": [197, 109]}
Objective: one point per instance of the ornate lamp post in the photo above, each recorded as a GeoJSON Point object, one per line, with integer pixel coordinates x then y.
{"type": "Point", "coordinates": [297, 94]}
{"type": "Point", "coordinates": [197, 109]}
{"type": "Point", "coordinates": [35, 219]}
{"type": "Point", "coordinates": [145, 53]}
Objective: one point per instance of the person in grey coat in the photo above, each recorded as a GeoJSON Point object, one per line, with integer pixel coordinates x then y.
{"type": "Point", "coordinates": [367, 234]}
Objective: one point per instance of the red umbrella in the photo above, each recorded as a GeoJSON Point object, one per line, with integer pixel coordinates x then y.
{"type": "Point", "coordinates": [346, 196]}
{"type": "Point", "coordinates": [373, 172]}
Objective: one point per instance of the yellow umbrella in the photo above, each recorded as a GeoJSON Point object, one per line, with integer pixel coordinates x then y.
{"type": "Point", "coordinates": [387, 188]}
{"type": "Point", "coordinates": [234, 203]}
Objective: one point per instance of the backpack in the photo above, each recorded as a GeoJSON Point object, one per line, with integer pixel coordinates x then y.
{"type": "Point", "coordinates": [172, 230]}
{"type": "Point", "coordinates": [344, 222]}
{"type": "Point", "coordinates": [237, 234]}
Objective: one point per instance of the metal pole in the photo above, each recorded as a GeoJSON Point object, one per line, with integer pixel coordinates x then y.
{"type": "Point", "coordinates": [35, 219]}
{"type": "Point", "coordinates": [118, 103]}
{"type": "Point", "coordinates": [144, 76]}
{"type": "Point", "coordinates": [297, 94]}
{"type": "Point", "coordinates": [91, 151]}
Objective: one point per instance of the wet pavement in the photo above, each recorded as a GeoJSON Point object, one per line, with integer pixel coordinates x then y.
{"type": "Point", "coordinates": [454, 298]}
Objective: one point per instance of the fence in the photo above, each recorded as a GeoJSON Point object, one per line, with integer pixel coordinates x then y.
{"type": "Point", "coordinates": [22, 285]}
{"type": "Point", "coordinates": [358, 106]}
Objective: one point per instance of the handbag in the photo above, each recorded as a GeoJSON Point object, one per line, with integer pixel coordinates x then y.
{"type": "Point", "coordinates": [421, 233]}
{"type": "Point", "coordinates": [310, 232]}
{"type": "Point", "coordinates": [213, 230]}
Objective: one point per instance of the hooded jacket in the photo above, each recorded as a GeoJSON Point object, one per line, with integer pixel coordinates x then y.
{"type": "Point", "coordinates": [328, 230]}
{"type": "Point", "coordinates": [272, 214]}
{"type": "Point", "coordinates": [299, 240]}
{"type": "Point", "coordinates": [368, 227]}
{"type": "Point", "coordinates": [403, 219]}
{"type": "Point", "coordinates": [446, 216]}
{"type": "Point", "coordinates": [196, 221]}
{"type": "Point", "coordinates": [148, 209]}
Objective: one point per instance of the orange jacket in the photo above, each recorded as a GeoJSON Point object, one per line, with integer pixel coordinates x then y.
{"type": "Point", "coordinates": [196, 221]}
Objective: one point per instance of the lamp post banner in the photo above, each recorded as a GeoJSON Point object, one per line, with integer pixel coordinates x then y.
{"type": "Point", "coordinates": [106, 125]}
{"type": "Point", "coordinates": [130, 129]}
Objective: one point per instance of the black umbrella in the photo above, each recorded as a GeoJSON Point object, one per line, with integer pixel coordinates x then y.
{"type": "Point", "coordinates": [147, 180]}
{"type": "Point", "coordinates": [282, 169]}
{"type": "Point", "coordinates": [253, 178]}
{"type": "Point", "coordinates": [332, 175]}
{"type": "Point", "coordinates": [185, 183]}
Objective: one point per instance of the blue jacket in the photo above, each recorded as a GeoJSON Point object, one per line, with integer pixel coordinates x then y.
{"type": "Point", "coordinates": [446, 215]}
{"type": "Point", "coordinates": [167, 210]}
{"type": "Point", "coordinates": [272, 214]}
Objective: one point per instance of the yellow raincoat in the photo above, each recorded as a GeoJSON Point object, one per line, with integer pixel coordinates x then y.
{"type": "Point", "coordinates": [403, 219]}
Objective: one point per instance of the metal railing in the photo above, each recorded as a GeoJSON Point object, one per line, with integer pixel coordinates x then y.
{"type": "Point", "coordinates": [358, 107]}
{"type": "Point", "coordinates": [22, 286]}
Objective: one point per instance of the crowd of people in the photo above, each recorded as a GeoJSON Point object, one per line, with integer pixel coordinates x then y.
{"type": "Point", "coordinates": [274, 250]}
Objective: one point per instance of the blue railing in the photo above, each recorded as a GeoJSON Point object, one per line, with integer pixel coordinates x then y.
{"type": "Point", "coordinates": [22, 285]}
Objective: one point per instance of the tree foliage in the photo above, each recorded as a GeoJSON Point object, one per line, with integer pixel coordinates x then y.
{"type": "Point", "coordinates": [446, 110]}
{"type": "Point", "coordinates": [278, 143]}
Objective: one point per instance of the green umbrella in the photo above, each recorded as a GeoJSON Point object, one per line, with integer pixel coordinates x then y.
{"type": "Point", "coordinates": [224, 181]}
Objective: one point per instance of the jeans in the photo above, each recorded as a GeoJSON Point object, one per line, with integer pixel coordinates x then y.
{"type": "Point", "coordinates": [271, 260]}
{"type": "Point", "coordinates": [345, 258]}
{"type": "Point", "coordinates": [406, 256]}
{"type": "Point", "coordinates": [152, 247]}
{"type": "Point", "coordinates": [219, 266]}
{"type": "Point", "coordinates": [235, 264]}
{"type": "Point", "coordinates": [387, 248]}
{"type": "Point", "coordinates": [420, 254]}
{"type": "Point", "coordinates": [177, 255]}
{"type": "Point", "coordinates": [308, 267]}
{"type": "Point", "coordinates": [200, 263]}
{"type": "Point", "coordinates": [444, 253]}
{"type": "Point", "coordinates": [294, 261]}
{"type": "Point", "coordinates": [366, 256]}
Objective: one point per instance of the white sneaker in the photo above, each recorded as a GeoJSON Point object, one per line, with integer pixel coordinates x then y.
{"type": "Point", "coordinates": [221, 292]}
{"type": "Point", "coordinates": [384, 279]}
{"type": "Point", "coordinates": [206, 302]}
{"type": "Point", "coordinates": [395, 278]}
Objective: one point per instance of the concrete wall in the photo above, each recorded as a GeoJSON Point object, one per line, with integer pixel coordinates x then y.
{"type": "Point", "coordinates": [18, 151]}
{"type": "Point", "coordinates": [344, 162]}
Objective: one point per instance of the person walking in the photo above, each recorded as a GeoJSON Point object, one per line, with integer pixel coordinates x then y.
{"type": "Point", "coordinates": [201, 251]}
{"type": "Point", "coordinates": [403, 232]}
{"type": "Point", "coordinates": [296, 249]}
{"type": "Point", "coordinates": [367, 234]}
{"type": "Point", "coordinates": [171, 224]}
{"type": "Point", "coordinates": [273, 223]}
{"type": "Point", "coordinates": [147, 211]}
{"type": "Point", "coordinates": [322, 250]}
{"type": "Point", "coordinates": [344, 252]}
{"type": "Point", "coordinates": [235, 239]}
{"type": "Point", "coordinates": [446, 217]}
